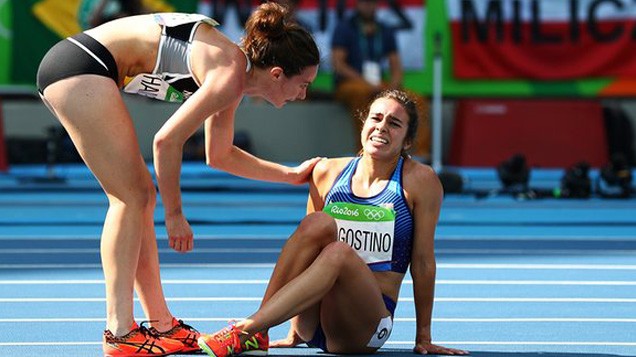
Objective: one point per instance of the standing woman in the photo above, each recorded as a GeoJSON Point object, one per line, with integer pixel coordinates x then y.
{"type": "Point", "coordinates": [172, 57]}
{"type": "Point", "coordinates": [370, 219]}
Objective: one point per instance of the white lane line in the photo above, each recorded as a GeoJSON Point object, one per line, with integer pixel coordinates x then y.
{"type": "Point", "coordinates": [540, 266]}
{"type": "Point", "coordinates": [534, 282]}
{"type": "Point", "coordinates": [532, 300]}
{"type": "Point", "coordinates": [593, 252]}
{"type": "Point", "coordinates": [102, 299]}
{"type": "Point", "coordinates": [235, 236]}
{"type": "Point", "coordinates": [244, 251]}
{"type": "Point", "coordinates": [397, 319]}
{"type": "Point", "coordinates": [524, 319]}
{"type": "Point", "coordinates": [32, 344]}
{"type": "Point", "coordinates": [168, 281]}
{"type": "Point", "coordinates": [402, 299]}
{"type": "Point", "coordinates": [265, 281]}
{"type": "Point", "coordinates": [165, 251]}
{"type": "Point", "coordinates": [271, 265]}
{"type": "Point", "coordinates": [392, 343]}
{"type": "Point", "coordinates": [102, 319]}
{"type": "Point", "coordinates": [83, 238]}
{"type": "Point", "coordinates": [166, 265]}
{"type": "Point", "coordinates": [521, 343]}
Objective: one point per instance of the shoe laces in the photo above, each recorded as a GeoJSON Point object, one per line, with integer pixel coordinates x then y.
{"type": "Point", "coordinates": [185, 326]}
{"type": "Point", "coordinates": [225, 335]}
{"type": "Point", "coordinates": [149, 331]}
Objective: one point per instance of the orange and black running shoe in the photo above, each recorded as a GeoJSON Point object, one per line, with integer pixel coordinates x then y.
{"type": "Point", "coordinates": [139, 342]}
{"type": "Point", "coordinates": [183, 333]}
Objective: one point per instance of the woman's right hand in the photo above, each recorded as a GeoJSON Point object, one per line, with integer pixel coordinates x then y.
{"type": "Point", "coordinates": [180, 235]}
{"type": "Point", "coordinates": [292, 340]}
{"type": "Point", "coordinates": [301, 173]}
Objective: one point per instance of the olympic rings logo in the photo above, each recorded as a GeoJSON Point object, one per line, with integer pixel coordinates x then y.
{"type": "Point", "coordinates": [373, 214]}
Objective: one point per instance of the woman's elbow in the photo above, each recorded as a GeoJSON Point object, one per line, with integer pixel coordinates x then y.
{"type": "Point", "coordinates": [212, 161]}
{"type": "Point", "coordinates": [160, 142]}
{"type": "Point", "coordinates": [424, 267]}
{"type": "Point", "coordinates": [216, 159]}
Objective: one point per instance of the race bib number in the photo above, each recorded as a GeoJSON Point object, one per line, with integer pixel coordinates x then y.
{"type": "Point", "coordinates": [149, 85]}
{"type": "Point", "coordinates": [369, 230]}
{"type": "Point", "coordinates": [382, 333]}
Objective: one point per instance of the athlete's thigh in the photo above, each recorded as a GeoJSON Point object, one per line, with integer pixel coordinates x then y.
{"type": "Point", "coordinates": [92, 111]}
{"type": "Point", "coordinates": [352, 310]}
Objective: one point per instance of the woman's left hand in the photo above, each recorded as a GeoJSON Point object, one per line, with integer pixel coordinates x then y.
{"type": "Point", "coordinates": [431, 349]}
{"type": "Point", "coordinates": [301, 173]}
{"type": "Point", "coordinates": [180, 235]}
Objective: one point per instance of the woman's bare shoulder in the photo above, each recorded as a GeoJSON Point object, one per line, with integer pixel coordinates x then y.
{"type": "Point", "coordinates": [326, 170]}
{"type": "Point", "coordinates": [421, 178]}
{"type": "Point", "coordinates": [332, 164]}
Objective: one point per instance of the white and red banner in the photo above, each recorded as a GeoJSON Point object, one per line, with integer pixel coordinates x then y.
{"type": "Point", "coordinates": [543, 39]}
{"type": "Point", "coordinates": [321, 16]}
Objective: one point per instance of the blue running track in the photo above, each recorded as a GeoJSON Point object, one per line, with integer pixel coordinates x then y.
{"type": "Point", "coordinates": [518, 278]}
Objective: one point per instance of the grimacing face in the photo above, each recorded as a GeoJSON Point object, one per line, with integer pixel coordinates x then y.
{"type": "Point", "coordinates": [384, 130]}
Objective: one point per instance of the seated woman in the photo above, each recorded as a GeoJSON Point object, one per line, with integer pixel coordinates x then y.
{"type": "Point", "coordinates": [339, 275]}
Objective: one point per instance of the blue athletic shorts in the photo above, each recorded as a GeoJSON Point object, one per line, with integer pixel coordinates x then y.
{"type": "Point", "coordinates": [320, 341]}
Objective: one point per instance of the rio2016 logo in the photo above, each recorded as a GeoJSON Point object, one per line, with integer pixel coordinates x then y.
{"type": "Point", "coordinates": [346, 211]}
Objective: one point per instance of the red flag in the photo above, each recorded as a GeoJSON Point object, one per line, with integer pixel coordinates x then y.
{"type": "Point", "coordinates": [543, 39]}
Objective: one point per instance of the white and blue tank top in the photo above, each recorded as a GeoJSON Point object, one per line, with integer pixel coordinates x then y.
{"type": "Point", "coordinates": [378, 228]}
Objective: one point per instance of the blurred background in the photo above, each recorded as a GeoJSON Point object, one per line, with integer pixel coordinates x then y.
{"type": "Point", "coordinates": [550, 80]}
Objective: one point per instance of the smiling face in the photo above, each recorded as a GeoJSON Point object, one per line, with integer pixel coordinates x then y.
{"type": "Point", "coordinates": [288, 89]}
{"type": "Point", "coordinates": [385, 128]}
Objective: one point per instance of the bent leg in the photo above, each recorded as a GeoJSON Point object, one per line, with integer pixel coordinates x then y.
{"type": "Point", "coordinates": [351, 311]}
{"type": "Point", "coordinates": [315, 231]}
{"type": "Point", "coordinates": [337, 278]}
{"type": "Point", "coordinates": [92, 111]}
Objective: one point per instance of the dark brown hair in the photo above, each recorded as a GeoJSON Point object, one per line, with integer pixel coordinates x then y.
{"type": "Point", "coordinates": [273, 39]}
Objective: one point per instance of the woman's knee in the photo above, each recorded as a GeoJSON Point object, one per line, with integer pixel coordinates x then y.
{"type": "Point", "coordinates": [142, 196]}
{"type": "Point", "coordinates": [337, 253]}
{"type": "Point", "coordinates": [317, 227]}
